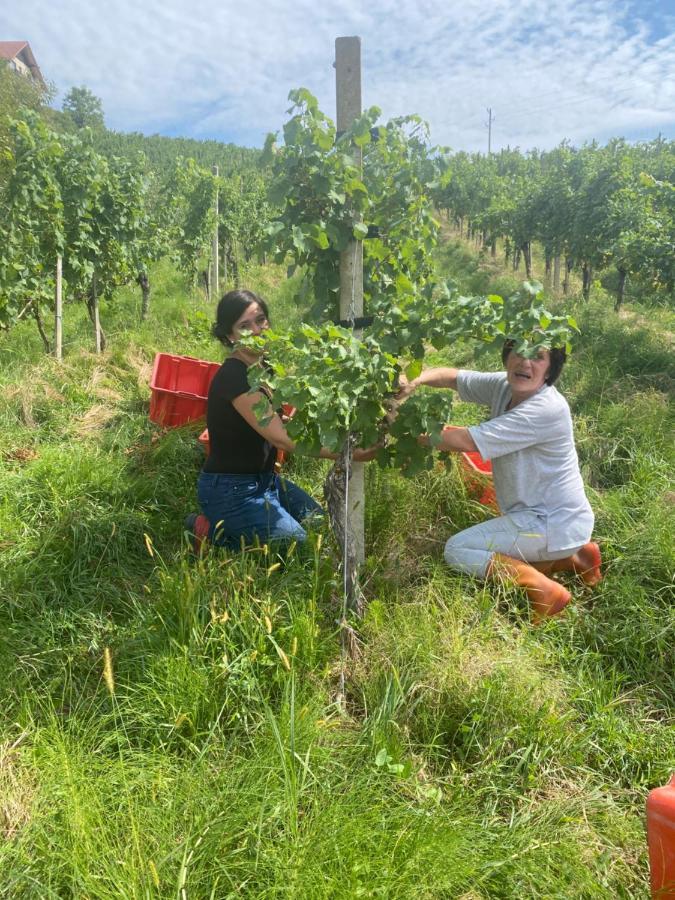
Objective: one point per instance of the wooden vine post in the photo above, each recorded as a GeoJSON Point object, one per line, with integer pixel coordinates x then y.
{"type": "Point", "coordinates": [213, 288]}
{"type": "Point", "coordinates": [58, 309]}
{"type": "Point", "coordinates": [348, 103]}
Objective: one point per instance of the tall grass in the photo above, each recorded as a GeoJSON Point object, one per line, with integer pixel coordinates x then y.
{"type": "Point", "coordinates": [171, 727]}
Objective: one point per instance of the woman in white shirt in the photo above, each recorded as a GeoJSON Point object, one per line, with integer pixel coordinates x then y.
{"type": "Point", "coordinates": [546, 520]}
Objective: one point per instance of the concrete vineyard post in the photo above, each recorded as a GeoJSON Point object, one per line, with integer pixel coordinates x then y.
{"type": "Point", "coordinates": [96, 316]}
{"type": "Point", "coordinates": [556, 273]}
{"type": "Point", "coordinates": [58, 310]}
{"type": "Point", "coordinates": [348, 103]}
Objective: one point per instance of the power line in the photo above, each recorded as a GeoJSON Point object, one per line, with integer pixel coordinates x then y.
{"type": "Point", "coordinates": [552, 106]}
{"type": "Point", "coordinates": [557, 91]}
{"type": "Point", "coordinates": [523, 111]}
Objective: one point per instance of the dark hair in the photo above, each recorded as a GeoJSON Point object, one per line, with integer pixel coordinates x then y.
{"type": "Point", "coordinates": [230, 309]}
{"type": "Point", "coordinates": [558, 357]}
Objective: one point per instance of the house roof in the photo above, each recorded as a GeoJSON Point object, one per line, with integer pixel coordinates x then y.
{"type": "Point", "coordinates": [11, 49]}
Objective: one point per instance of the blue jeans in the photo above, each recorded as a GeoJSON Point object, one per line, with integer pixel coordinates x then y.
{"type": "Point", "coordinates": [243, 508]}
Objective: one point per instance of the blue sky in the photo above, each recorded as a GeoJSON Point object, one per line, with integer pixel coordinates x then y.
{"type": "Point", "coordinates": [549, 69]}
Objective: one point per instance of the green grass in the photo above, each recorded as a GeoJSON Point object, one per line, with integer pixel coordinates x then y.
{"type": "Point", "coordinates": [473, 756]}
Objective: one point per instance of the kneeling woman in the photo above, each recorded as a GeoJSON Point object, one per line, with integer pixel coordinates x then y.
{"type": "Point", "coordinates": [546, 520]}
{"type": "Point", "coordinates": [241, 496]}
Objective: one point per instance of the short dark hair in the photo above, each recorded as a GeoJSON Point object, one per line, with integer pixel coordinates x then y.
{"type": "Point", "coordinates": [230, 309]}
{"type": "Point", "coordinates": [558, 357]}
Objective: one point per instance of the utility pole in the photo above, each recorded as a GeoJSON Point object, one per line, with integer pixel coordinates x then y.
{"type": "Point", "coordinates": [489, 128]}
{"type": "Point", "coordinates": [348, 103]}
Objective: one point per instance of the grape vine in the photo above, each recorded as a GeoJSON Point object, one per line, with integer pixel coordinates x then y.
{"type": "Point", "coordinates": [341, 383]}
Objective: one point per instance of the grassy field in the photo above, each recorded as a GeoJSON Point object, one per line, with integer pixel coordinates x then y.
{"type": "Point", "coordinates": [169, 728]}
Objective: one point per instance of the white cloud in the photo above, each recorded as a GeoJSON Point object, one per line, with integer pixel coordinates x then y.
{"type": "Point", "coordinates": [549, 69]}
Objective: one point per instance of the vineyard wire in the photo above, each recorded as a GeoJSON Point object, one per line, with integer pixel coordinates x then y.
{"type": "Point", "coordinates": [351, 315]}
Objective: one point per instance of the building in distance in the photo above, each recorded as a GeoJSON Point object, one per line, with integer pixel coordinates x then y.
{"type": "Point", "coordinates": [20, 58]}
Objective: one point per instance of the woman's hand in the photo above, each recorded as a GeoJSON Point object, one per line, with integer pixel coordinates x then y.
{"type": "Point", "coordinates": [442, 377]}
{"type": "Point", "coordinates": [405, 389]}
{"type": "Point", "coordinates": [365, 454]}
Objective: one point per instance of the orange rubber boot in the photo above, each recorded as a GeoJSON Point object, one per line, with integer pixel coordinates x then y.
{"type": "Point", "coordinates": [547, 597]}
{"type": "Point", "coordinates": [585, 563]}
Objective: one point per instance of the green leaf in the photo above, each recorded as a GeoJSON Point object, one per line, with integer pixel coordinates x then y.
{"type": "Point", "coordinates": [413, 369]}
{"type": "Point", "coordinates": [359, 231]}
{"type": "Point", "coordinates": [534, 288]}
{"type": "Point", "coordinates": [355, 184]}
{"type": "Point", "coordinates": [403, 283]}
{"type": "Point", "coordinates": [382, 757]}
{"type": "Point", "coordinates": [324, 139]}
{"type": "Point", "coordinates": [299, 241]}
{"type": "Point", "coordinates": [319, 237]}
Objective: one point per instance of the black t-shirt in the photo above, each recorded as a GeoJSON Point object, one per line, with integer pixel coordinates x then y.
{"type": "Point", "coordinates": [236, 448]}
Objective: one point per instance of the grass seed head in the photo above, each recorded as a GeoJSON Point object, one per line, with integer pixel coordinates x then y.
{"type": "Point", "coordinates": [108, 676]}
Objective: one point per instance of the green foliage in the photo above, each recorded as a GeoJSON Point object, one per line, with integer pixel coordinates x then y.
{"type": "Point", "coordinates": [341, 384]}
{"type": "Point", "coordinates": [65, 199]}
{"type": "Point", "coordinates": [161, 152]}
{"type": "Point", "coordinates": [336, 381]}
{"type": "Point", "coordinates": [243, 216]}
{"type": "Point", "coordinates": [32, 222]}
{"type": "Point", "coordinates": [108, 216]}
{"type": "Point", "coordinates": [191, 190]}
{"type": "Point", "coordinates": [329, 199]}
{"type": "Point", "coordinates": [109, 234]}
{"type": "Point", "coordinates": [84, 108]}
{"type": "Point", "coordinates": [519, 757]}
{"type": "Point", "coordinates": [16, 93]}
{"type": "Point", "coordinates": [593, 206]}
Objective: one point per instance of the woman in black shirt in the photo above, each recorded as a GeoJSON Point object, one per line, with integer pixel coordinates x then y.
{"type": "Point", "coordinates": [241, 496]}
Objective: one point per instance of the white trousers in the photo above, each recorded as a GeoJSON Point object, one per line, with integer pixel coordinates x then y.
{"type": "Point", "coordinates": [521, 535]}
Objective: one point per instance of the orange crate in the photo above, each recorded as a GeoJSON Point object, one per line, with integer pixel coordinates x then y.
{"type": "Point", "coordinates": [180, 386]}
{"type": "Point", "coordinates": [661, 840]}
{"type": "Point", "coordinates": [477, 474]}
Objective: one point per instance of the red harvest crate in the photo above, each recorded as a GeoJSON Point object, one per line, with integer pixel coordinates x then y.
{"type": "Point", "coordinates": [180, 386]}
{"type": "Point", "coordinates": [478, 477]}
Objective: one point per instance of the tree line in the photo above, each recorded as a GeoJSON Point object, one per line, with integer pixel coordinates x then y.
{"type": "Point", "coordinates": [590, 208]}
{"type": "Point", "coordinates": [108, 204]}
{"type": "Point", "coordinates": [70, 202]}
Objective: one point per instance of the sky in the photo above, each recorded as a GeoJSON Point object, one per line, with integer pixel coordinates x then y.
{"type": "Point", "coordinates": [548, 69]}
